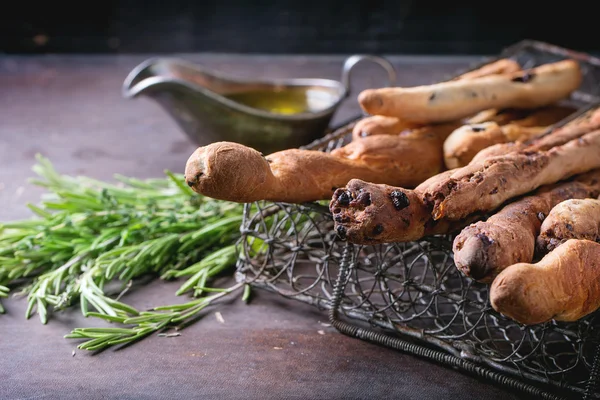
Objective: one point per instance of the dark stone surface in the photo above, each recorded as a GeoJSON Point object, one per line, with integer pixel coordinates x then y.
{"type": "Point", "coordinates": [70, 109]}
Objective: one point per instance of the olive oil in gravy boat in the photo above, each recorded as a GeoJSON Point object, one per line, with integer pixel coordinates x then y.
{"type": "Point", "coordinates": [203, 102]}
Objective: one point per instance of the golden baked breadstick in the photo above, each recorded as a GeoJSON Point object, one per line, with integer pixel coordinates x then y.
{"type": "Point", "coordinates": [393, 214]}
{"type": "Point", "coordinates": [450, 101]}
{"type": "Point", "coordinates": [571, 219]}
{"type": "Point", "coordinates": [468, 140]}
{"type": "Point", "coordinates": [482, 187]}
{"type": "Point", "coordinates": [462, 193]}
{"type": "Point", "coordinates": [502, 66]}
{"type": "Point", "coordinates": [485, 248]}
{"type": "Point", "coordinates": [564, 285]}
{"type": "Point", "coordinates": [230, 171]}
{"type": "Point", "coordinates": [465, 142]}
{"type": "Point", "coordinates": [382, 125]}
{"type": "Point", "coordinates": [554, 137]}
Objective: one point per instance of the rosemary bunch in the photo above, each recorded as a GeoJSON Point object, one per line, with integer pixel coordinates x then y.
{"type": "Point", "coordinates": [91, 239]}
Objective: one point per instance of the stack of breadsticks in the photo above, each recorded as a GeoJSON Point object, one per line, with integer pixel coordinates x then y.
{"type": "Point", "coordinates": [436, 159]}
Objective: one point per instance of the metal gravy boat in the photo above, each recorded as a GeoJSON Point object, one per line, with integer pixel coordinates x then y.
{"type": "Point", "coordinates": [198, 100]}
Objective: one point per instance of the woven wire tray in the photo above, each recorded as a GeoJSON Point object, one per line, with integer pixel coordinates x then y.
{"type": "Point", "coordinates": [410, 296]}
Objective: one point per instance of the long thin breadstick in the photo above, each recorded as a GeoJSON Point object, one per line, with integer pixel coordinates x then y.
{"type": "Point", "coordinates": [233, 172]}
{"type": "Point", "coordinates": [455, 196]}
{"type": "Point", "coordinates": [393, 214]}
{"type": "Point", "coordinates": [485, 248]}
{"type": "Point", "coordinates": [564, 285]}
{"type": "Point", "coordinates": [465, 142]}
{"type": "Point", "coordinates": [554, 137]}
{"type": "Point", "coordinates": [571, 219]}
{"type": "Point", "coordinates": [485, 186]}
{"type": "Point", "coordinates": [450, 101]}
{"type": "Point", "coordinates": [382, 125]}
{"type": "Point", "coordinates": [502, 66]}
{"type": "Point", "coordinates": [468, 140]}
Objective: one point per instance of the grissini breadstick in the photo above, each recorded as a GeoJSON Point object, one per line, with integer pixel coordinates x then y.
{"type": "Point", "coordinates": [502, 66]}
{"type": "Point", "coordinates": [482, 187]}
{"type": "Point", "coordinates": [465, 142]}
{"type": "Point", "coordinates": [464, 192]}
{"type": "Point", "coordinates": [402, 216]}
{"type": "Point", "coordinates": [233, 172]}
{"type": "Point", "coordinates": [585, 123]}
{"type": "Point", "coordinates": [571, 219]}
{"type": "Point", "coordinates": [382, 125]}
{"type": "Point", "coordinates": [450, 101]}
{"type": "Point", "coordinates": [485, 248]}
{"type": "Point", "coordinates": [563, 286]}
{"type": "Point", "coordinates": [393, 214]}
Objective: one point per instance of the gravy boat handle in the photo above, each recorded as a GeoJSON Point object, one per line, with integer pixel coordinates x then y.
{"type": "Point", "coordinates": [355, 59]}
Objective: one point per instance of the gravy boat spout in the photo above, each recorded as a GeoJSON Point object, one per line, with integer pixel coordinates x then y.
{"type": "Point", "coordinates": [205, 103]}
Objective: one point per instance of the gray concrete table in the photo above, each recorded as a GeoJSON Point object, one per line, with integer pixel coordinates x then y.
{"type": "Point", "coordinates": [69, 108]}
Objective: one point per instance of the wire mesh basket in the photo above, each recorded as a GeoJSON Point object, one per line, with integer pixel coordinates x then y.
{"type": "Point", "coordinates": [410, 296]}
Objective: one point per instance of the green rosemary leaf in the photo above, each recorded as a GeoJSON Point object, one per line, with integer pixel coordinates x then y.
{"type": "Point", "coordinates": [87, 236]}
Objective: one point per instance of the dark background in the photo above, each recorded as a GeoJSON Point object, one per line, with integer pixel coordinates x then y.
{"type": "Point", "coordinates": [301, 26]}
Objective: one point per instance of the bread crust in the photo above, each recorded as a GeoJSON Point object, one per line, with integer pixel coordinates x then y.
{"type": "Point", "coordinates": [451, 101]}
{"type": "Point", "coordinates": [464, 143]}
{"type": "Point", "coordinates": [483, 187]}
{"type": "Point", "coordinates": [564, 285]}
{"type": "Point", "coordinates": [553, 137]}
{"type": "Point", "coordinates": [462, 194]}
{"type": "Point", "coordinates": [575, 218]}
{"type": "Point", "coordinates": [483, 249]}
{"type": "Point", "coordinates": [233, 172]}
{"type": "Point", "coordinates": [382, 125]}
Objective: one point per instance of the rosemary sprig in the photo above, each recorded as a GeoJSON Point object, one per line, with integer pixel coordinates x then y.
{"type": "Point", "coordinates": [91, 239]}
{"type": "Point", "coordinates": [146, 322]}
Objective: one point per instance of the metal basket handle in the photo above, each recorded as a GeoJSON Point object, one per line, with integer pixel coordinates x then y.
{"type": "Point", "coordinates": [355, 59]}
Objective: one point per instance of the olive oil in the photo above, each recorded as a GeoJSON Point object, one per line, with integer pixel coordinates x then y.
{"type": "Point", "coordinates": [287, 101]}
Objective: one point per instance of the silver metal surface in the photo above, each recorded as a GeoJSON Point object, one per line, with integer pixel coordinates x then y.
{"type": "Point", "coordinates": [196, 98]}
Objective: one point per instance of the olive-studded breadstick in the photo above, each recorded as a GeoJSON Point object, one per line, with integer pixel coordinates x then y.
{"type": "Point", "coordinates": [382, 125]}
{"type": "Point", "coordinates": [415, 220]}
{"type": "Point", "coordinates": [233, 172]}
{"type": "Point", "coordinates": [482, 187]}
{"type": "Point", "coordinates": [585, 123]}
{"type": "Point", "coordinates": [392, 214]}
{"type": "Point", "coordinates": [563, 286]}
{"type": "Point", "coordinates": [450, 101]}
{"type": "Point", "coordinates": [465, 142]}
{"type": "Point", "coordinates": [460, 194]}
{"type": "Point", "coordinates": [485, 248]}
{"type": "Point", "coordinates": [571, 219]}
